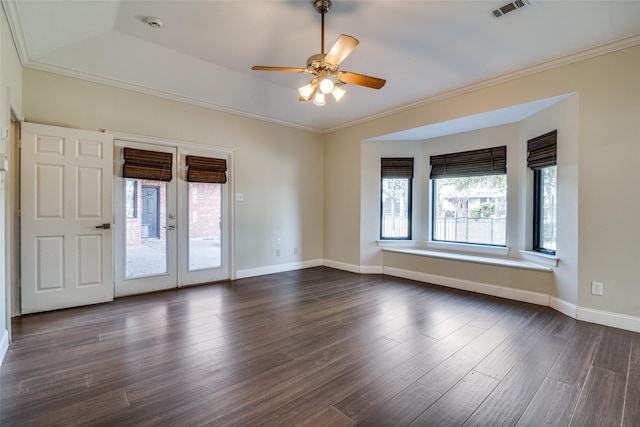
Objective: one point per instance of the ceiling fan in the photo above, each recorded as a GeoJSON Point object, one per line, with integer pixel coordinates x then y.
{"type": "Point", "coordinates": [328, 79]}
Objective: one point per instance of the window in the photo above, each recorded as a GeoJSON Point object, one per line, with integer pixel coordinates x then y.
{"type": "Point", "coordinates": [395, 198]}
{"type": "Point", "coordinates": [469, 203]}
{"type": "Point", "coordinates": [131, 194]}
{"type": "Point", "coordinates": [541, 157]}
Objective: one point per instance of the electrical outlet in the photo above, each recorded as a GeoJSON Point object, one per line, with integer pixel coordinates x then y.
{"type": "Point", "coordinates": [277, 240]}
{"type": "Point", "coordinates": [295, 251]}
{"type": "Point", "coordinates": [277, 252]}
{"type": "Point", "coordinates": [597, 288]}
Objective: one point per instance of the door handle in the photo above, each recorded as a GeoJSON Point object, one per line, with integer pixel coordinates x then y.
{"type": "Point", "coordinates": [170, 227]}
{"type": "Point", "coordinates": [105, 226]}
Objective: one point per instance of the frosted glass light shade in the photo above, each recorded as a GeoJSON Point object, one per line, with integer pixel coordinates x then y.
{"type": "Point", "coordinates": [306, 91]}
{"type": "Point", "coordinates": [319, 99]}
{"type": "Point", "coordinates": [326, 86]}
{"type": "Point", "coordinates": [338, 93]}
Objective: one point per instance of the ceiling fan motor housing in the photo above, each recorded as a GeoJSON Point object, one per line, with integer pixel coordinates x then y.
{"type": "Point", "coordinates": [317, 64]}
{"type": "Point", "coordinates": [322, 6]}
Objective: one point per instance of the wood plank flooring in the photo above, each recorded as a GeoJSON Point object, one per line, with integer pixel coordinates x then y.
{"type": "Point", "coordinates": [318, 347]}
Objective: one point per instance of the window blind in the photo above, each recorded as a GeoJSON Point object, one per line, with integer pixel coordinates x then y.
{"type": "Point", "coordinates": [487, 161]}
{"type": "Point", "coordinates": [396, 167]}
{"type": "Point", "coordinates": [206, 169]}
{"type": "Point", "coordinates": [144, 164]}
{"type": "Point", "coordinates": [541, 151]}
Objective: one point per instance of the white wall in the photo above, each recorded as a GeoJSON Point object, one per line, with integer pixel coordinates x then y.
{"type": "Point", "coordinates": [10, 98]}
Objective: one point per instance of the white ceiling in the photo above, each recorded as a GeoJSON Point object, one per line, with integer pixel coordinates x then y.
{"type": "Point", "coordinates": [204, 52]}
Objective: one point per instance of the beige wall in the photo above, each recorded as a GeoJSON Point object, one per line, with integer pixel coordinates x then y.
{"type": "Point", "coordinates": [608, 103]}
{"type": "Point", "coordinates": [278, 169]}
{"type": "Point", "coordinates": [10, 97]}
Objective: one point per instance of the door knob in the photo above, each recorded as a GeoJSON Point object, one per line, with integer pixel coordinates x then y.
{"type": "Point", "coordinates": [170, 227]}
{"type": "Point", "coordinates": [105, 226]}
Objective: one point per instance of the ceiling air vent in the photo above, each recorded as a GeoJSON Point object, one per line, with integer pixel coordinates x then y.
{"type": "Point", "coordinates": [509, 7]}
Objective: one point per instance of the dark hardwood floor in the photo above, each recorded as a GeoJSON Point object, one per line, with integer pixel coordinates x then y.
{"type": "Point", "coordinates": [318, 347]}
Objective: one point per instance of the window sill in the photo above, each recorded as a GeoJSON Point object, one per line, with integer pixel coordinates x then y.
{"type": "Point", "coordinates": [395, 243]}
{"type": "Point", "coordinates": [540, 258]}
{"type": "Point", "coordinates": [469, 248]}
{"type": "Point", "coordinates": [500, 262]}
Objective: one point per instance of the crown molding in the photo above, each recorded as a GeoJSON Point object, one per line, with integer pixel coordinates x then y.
{"type": "Point", "coordinates": [15, 27]}
{"type": "Point", "coordinates": [560, 61]}
{"type": "Point", "coordinates": [69, 72]}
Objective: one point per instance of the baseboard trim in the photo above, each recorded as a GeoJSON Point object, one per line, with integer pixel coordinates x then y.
{"type": "Point", "coordinates": [563, 307]}
{"type": "Point", "coordinates": [467, 285]}
{"type": "Point", "coordinates": [278, 268]}
{"type": "Point", "coordinates": [352, 268]}
{"type": "Point", "coordinates": [4, 345]}
{"type": "Point", "coordinates": [371, 269]}
{"type": "Point", "coordinates": [607, 318]}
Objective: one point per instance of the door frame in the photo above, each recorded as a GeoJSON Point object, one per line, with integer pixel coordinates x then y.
{"type": "Point", "coordinates": [202, 149]}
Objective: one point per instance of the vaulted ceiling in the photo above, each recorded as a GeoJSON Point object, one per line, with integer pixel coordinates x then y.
{"type": "Point", "coordinates": [204, 51]}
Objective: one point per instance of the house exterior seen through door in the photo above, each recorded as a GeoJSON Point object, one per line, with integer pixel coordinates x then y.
{"type": "Point", "coordinates": [150, 212]}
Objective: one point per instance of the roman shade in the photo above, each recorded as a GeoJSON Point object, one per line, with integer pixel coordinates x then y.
{"type": "Point", "coordinates": [206, 169]}
{"type": "Point", "coordinates": [487, 161]}
{"type": "Point", "coordinates": [541, 151]}
{"type": "Point", "coordinates": [144, 164]}
{"type": "Point", "coordinates": [396, 167]}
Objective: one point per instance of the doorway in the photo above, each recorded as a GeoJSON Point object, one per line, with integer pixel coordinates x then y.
{"type": "Point", "coordinates": [169, 232]}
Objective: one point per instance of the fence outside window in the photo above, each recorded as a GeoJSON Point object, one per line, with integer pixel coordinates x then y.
{"type": "Point", "coordinates": [488, 231]}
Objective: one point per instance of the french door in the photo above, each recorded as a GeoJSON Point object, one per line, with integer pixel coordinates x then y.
{"type": "Point", "coordinates": [168, 233]}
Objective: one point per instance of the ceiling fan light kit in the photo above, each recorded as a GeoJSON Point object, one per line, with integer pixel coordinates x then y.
{"type": "Point", "coordinates": [328, 79]}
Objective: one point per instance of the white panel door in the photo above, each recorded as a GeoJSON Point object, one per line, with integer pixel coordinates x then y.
{"type": "Point", "coordinates": [66, 197]}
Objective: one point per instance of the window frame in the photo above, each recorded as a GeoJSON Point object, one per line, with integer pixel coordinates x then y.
{"type": "Point", "coordinates": [432, 216]}
{"type": "Point", "coordinates": [541, 154]}
{"type": "Point", "coordinates": [538, 204]}
{"type": "Point", "coordinates": [486, 161]}
{"type": "Point", "coordinates": [409, 210]}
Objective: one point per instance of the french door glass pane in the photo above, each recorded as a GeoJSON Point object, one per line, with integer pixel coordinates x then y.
{"type": "Point", "coordinates": [205, 208]}
{"type": "Point", "coordinates": [146, 236]}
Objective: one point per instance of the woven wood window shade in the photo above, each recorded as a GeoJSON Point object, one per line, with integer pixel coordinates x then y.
{"type": "Point", "coordinates": [541, 151]}
{"type": "Point", "coordinates": [396, 167]}
{"type": "Point", "coordinates": [143, 164]}
{"type": "Point", "coordinates": [206, 169]}
{"type": "Point", "coordinates": [487, 161]}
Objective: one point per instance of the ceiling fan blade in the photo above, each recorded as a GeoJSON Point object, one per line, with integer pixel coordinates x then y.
{"type": "Point", "coordinates": [341, 48]}
{"type": "Point", "coordinates": [289, 69]}
{"type": "Point", "coordinates": [360, 79]}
